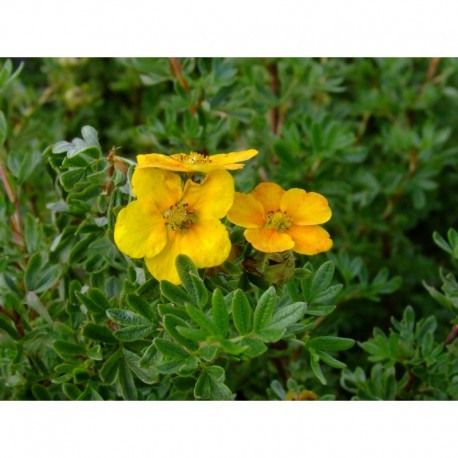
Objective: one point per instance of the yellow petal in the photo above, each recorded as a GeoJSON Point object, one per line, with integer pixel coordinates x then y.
{"type": "Point", "coordinates": [269, 240]}
{"type": "Point", "coordinates": [205, 242]}
{"type": "Point", "coordinates": [162, 266]}
{"type": "Point", "coordinates": [305, 208]}
{"type": "Point", "coordinates": [230, 158]}
{"type": "Point", "coordinates": [140, 230]}
{"type": "Point", "coordinates": [246, 211]}
{"type": "Point", "coordinates": [160, 161]}
{"type": "Point", "coordinates": [213, 198]}
{"type": "Point", "coordinates": [161, 187]}
{"type": "Point", "coordinates": [194, 162]}
{"type": "Point", "coordinates": [269, 195]}
{"type": "Point", "coordinates": [310, 240]}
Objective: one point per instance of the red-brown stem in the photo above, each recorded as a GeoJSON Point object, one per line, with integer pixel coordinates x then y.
{"type": "Point", "coordinates": [452, 336]}
{"type": "Point", "coordinates": [16, 217]}
{"type": "Point", "coordinates": [432, 69]}
{"type": "Point", "coordinates": [178, 73]}
{"type": "Point", "coordinates": [275, 86]}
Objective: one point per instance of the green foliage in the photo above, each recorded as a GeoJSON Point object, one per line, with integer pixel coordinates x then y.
{"type": "Point", "coordinates": [377, 137]}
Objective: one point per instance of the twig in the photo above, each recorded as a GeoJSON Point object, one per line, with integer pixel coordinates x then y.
{"type": "Point", "coordinates": [16, 217]}
{"type": "Point", "coordinates": [431, 73]}
{"type": "Point", "coordinates": [178, 73]}
{"type": "Point", "coordinates": [275, 86]}
{"type": "Point", "coordinates": [452, 336]}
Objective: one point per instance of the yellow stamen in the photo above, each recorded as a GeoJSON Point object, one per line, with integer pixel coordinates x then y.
{"type": "Point", "coordinates": [194, 158]}
{"type": "Point", "coordinates": [278, 220]}
{"type": "Point", "coordinates": [179, 217]}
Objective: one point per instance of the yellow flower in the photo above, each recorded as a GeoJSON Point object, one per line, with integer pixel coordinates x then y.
{"type": "Point", "coordinates": [169, 219]}
{"type": "Point", "coordinates": [277, 220]}
{"type": "Point", "coordinates": [195, 162]}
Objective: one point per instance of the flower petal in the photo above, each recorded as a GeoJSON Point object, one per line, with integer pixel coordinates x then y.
{"type": "Point", "coordinates": [269, 240]}
{"type": "Point", "coordinates": [310, 240]}
{"type": "Point", "coordinates": [269, 195]}
{"type": "Point", "coordinates": [163, 188]}
{"type": "Point", "coordinates": [230, 158]}
{"type": "Point", "coordinates": [160, 161]}
{"type": "Point", "coordinates": [140, 230]}
{"type": "Point", "coordinates": [162, 266]}
{"type": "Point", "coordinates": [213, 198]}
{"type": "Point", "coordinates": [246, 211]}
{"type": "Point", "coordinates": [206, 243]}
{"type": "Point", "coordinates": [305, 208]}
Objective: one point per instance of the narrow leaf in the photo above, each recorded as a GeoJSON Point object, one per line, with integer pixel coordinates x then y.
{"type": "Point", "coordinates": [264, 309]}
{"type": "Point", "coordinates": [241, 313]}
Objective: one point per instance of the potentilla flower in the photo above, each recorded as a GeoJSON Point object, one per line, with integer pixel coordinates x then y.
{"type": "Point", "coordinates": [169, 219]}
{"type": "Point", "coordinates": [195, 162]}
{"type": "Point", "coordinates": [277, 220]}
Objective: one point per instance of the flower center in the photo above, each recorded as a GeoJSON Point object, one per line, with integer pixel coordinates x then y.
{"type": "Point", "coordinates": [194, 158]}
{"type": "Point", "coordinates": [278, 220]}
{"type": "Point", "coordinates": [179, 217]}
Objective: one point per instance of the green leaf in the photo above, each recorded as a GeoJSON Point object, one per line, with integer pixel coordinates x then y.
{"type": "Point", "coordinates": [320, 310]}
{"type": "Point", "coordinates": [65, 349]}
{"type": "Point", "coordinates": [110, 368]}
{"type": "Point", "coordinates": [208, 387]}
{"type": "Point", "coordinates": [165, 309]}
{"type": "Point", "coordinates": [32, 272]}
{"type": "Point", "coordinates": [95, 353]}
{"type": "Point", "coordinates": [316, 368]}
{"type": "Point", "coordinates": [72, 177]}
{"type": "Point", "coordinates": [200, 318]}
{"type": "Point", "coordinates": [185, 267]}
{"type": "Point", "coordinates": [327, 294]}
{"type": "Point", "coordinates": [174, 293]}
{"type": "Point", "coordinates": [128, 390]}
{"type": "Point", "coordinates": [71, 391]}
{"type": "Point", "coordinates": [8, 326]}
{"type": "Point", "coordinates": [200, 291]}
{"type": "Point", "coordinates": [149, 356]}
{"type": "Point", "coordinates": [442, 243]}
{"type": "Point", "coordinates": [264, 309]}
{"type": "Point", "coordinates": [142, 307]}
{"type": "Point", "coordinates": [253, 347]}
{"type": "Point", "coordinates": [146, 375]}
{"type": "Point", "coordinates": [287, 316]}
{"type": "Point", "coordinates": [208, 352]}
{"type": "Point", "coordinates": [33, 301]}
{"type": "Point", "coordinates": [99, 333]}
{"type": "Point", "coordinates": [149, 290]}
{"type": "Point", "coordinates": [220, 313]}
{"type": "Point", "coordinates": [94, 300]}
{"type": "Point", "coordinates": [330, 361]}
{"type": "Point", "coordinates": [270, 334]}
{"type": "Point", "coordinates": [330, 343]}
{"type": "Point", "coordinates": [323, 277]}
{"type": "Point", "coordinates": [241, 313]}
{"type": "Point", "coordinates": [90, 136]}
{"type": "Point", "coordinates": [40, 393]}
{"type": "Point", "coordinates": [198, 335]}
{"type": "Point", "coordinates": [32, 233]}
{"type": "Point", "coordinates": [136, 332]}
{"type": "Point", "coordinates": [126, 317]}
{"type": "Point", "coordinates": [80, 250]}
{"type": "Point", "coordinates": [170, 349]}
{"type": "Point", "coordinates": [170, 324]}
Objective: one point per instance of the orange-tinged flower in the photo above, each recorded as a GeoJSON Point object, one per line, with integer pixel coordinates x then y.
{"type": "Point", "coordinates": [277, 220]}
{"type": "Point", "coordinates": [169, 219]}
{"type": "Point", "coordinates": [195, 162]}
